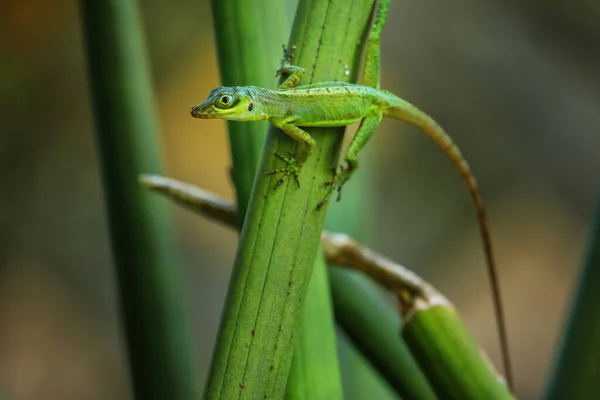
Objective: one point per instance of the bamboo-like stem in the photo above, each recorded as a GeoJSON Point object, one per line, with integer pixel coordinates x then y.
{"type": "Point", "coordinates": [147, 270]}
{"type": "Point", "coordinates": [314, 373]}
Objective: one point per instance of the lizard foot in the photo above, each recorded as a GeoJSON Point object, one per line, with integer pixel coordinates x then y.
{"type": "Point", "coordinates": [288, 55]}
{"type": "Point", "coordinates": [291, 169]}
{"type": "Point", "coordinates": [337, 183]}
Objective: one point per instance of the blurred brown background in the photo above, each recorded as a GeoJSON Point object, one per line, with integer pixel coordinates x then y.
{"type": "Point", "coordinates": [514, 82]}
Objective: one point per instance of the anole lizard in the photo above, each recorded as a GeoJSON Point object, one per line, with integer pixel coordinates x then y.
{"type": "Point", "coordinates": [334, 104]}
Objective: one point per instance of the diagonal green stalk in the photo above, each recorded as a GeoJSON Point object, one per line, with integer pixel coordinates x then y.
{"type": "Point", "coordinates": [452, 361]}
{"type": "Point", "coordinates": [432, 329]}
{"type": "Point", "coordinates": [281, 232]}
{"type": "Point", "coordinates": [576, 370]}
{"type": "Point", "coordinates": [249, 46]}
{"type": "Point", "coordinates": [154, 318]}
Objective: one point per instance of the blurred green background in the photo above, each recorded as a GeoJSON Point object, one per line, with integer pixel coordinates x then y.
{"type": "Point", "coordinates": [514, 82]}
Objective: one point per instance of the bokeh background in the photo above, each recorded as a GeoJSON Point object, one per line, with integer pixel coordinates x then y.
{"type": "Point", "coordinates": [514, 82]}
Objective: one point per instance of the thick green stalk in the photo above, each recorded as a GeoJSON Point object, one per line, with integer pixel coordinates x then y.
{"type": "Point", "coordinates": [446, 352]}
{"type": "Point", "coordinates": [249, 47]}
{"type": "Point", "coordinates": [152, 309]}
{"type": "Point", "coordinates": [282, 228]}
{"type": "Point", "coordinates": [577, 369]}
{"type": "Point", "coordinates": [434, 333]}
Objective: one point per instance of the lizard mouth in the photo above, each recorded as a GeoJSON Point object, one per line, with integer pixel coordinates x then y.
{"type": "Point", "coordinates": [199, 112]}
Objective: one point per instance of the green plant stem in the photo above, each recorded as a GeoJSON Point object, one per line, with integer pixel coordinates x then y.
{"type": "Point", "coordinates": [281, 232]}
{"type": "Point", "coordinates": [576, 370]}
{"type": "Point", "coordinates": [315, 372]}
{"type": "Point", "coordinates": [153, 312]}
{"type": "Point", "coordinates": [446, 352]}
{"type": "Point", "coordinates": [448, 356]}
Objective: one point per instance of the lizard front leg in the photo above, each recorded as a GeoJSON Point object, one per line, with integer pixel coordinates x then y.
{"type": "Point", "coordinates": [293, 164]}
{"type": "Point", "coordinates": [294, 72]}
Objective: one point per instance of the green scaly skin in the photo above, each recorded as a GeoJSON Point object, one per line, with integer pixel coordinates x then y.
{"type": "Point", "coordinates": [335, 104]}
{"type": "Point", "coordinates": [326, 104]}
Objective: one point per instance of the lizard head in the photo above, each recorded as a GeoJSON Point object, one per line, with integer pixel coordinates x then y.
{"type": "Point", "coordinates": [230, 103]}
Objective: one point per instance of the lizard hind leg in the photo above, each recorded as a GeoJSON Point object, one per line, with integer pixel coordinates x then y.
{"type": "Point", "coordinates": [372, 53]}
{"type": "Point", "coordinates": [367, 127]}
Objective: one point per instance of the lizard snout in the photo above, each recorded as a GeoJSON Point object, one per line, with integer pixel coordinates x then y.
{"type": "Point", "coordinates": [196, 112]}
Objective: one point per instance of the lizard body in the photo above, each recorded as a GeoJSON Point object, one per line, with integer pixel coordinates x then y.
{"type": "Point", "coordinates": [327, 104]}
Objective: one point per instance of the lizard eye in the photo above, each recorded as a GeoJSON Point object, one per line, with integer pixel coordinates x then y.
{"type": "Point", "coordinates": [226, 100]}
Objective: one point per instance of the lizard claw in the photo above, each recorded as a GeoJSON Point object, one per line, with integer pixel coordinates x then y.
{"type": "Point", "coordinates": [331, 185]}
{"type": "Point", "coordinates": [337, 183]}
{"type": "Point", "coordinates": [343, 177]}
{"type": "Point", "coordinates": [288, 55]}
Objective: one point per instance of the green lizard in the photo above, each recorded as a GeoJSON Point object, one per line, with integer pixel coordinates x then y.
{"type": "Point", "coordinates": [334, 104]}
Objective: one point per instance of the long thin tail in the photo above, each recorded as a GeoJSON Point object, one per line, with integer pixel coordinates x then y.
{"type": "Point", "coordinates": [408, 113]}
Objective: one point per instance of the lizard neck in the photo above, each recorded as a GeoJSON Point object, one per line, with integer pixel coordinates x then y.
{"type": "Point", "coordinates": [267, 102]}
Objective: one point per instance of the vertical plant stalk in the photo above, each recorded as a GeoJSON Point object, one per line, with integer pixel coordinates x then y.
{"type": "Point", "coordinates": [576, 370]}
{"type": "Point", "coordinates": [153, 313]}
{"type": "Point", "coordinates": [315, 372]}
{"type": "Point", "coordinates": [281, 232]}
{"type": "Point", "coordinates": [249, 46]}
